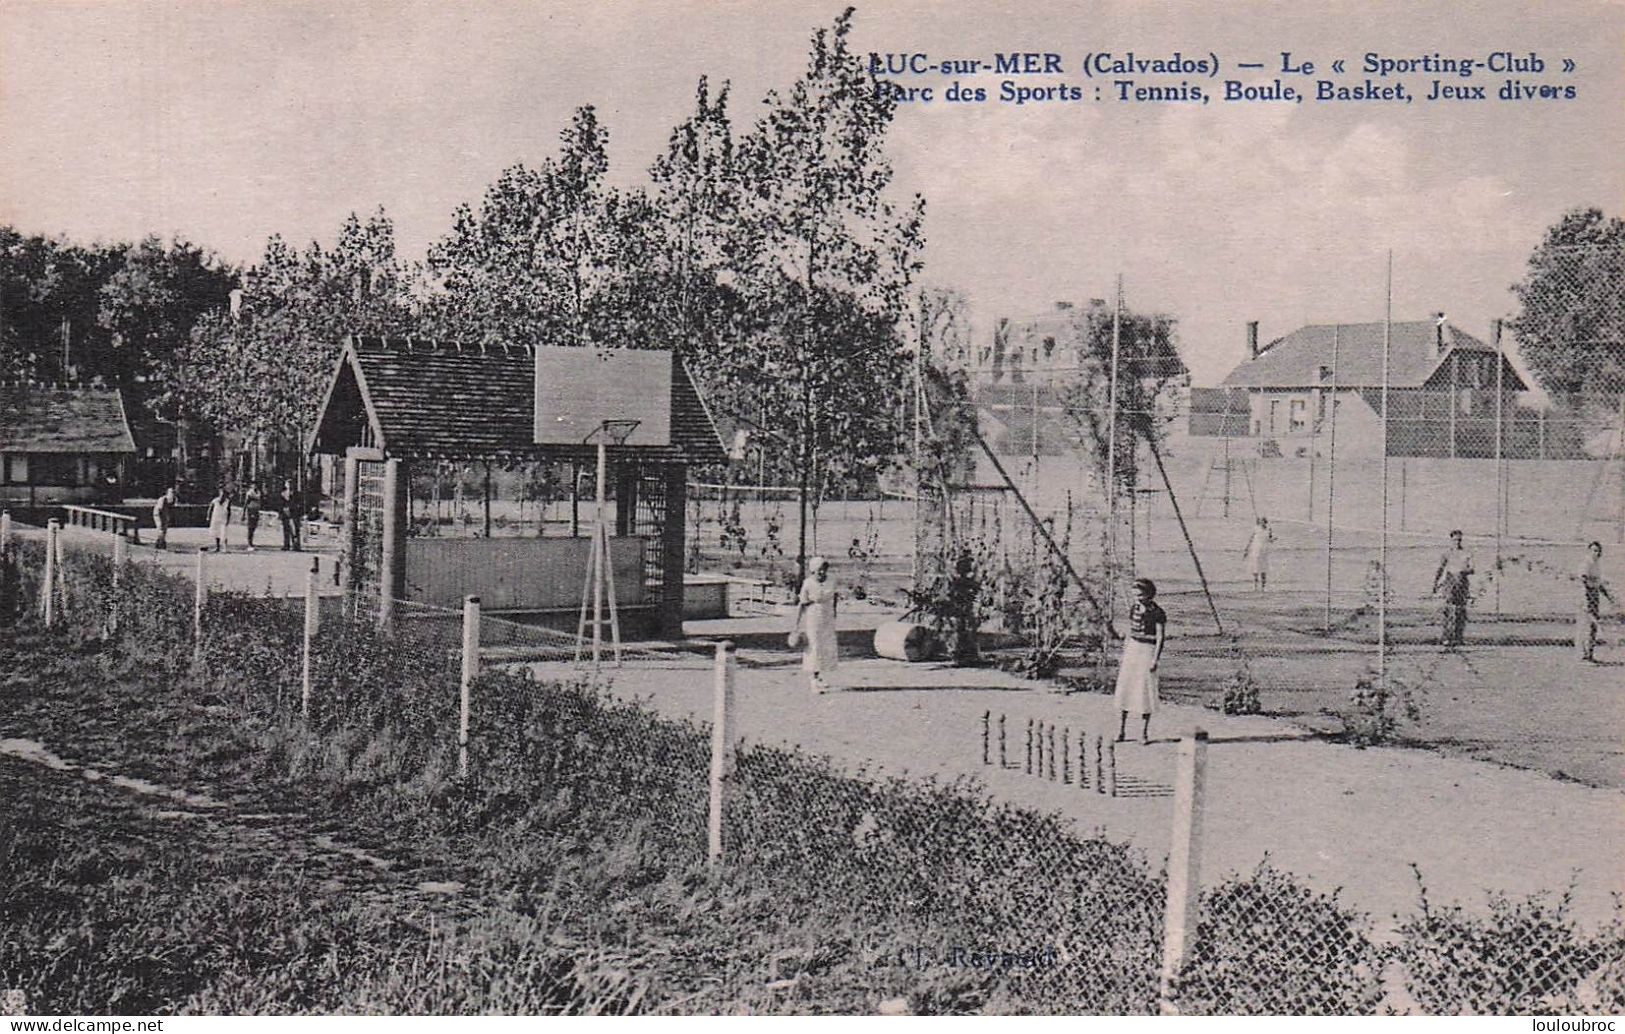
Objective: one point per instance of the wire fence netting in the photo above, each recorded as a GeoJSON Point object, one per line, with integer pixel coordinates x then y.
{"type": "Point", "coordinates": [1042, 918]}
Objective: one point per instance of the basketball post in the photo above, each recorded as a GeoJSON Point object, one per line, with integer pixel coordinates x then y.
{"type": "Point", "coordinates": [600, 580]}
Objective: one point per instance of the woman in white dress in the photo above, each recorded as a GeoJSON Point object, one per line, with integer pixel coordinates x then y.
{"type": "Point", "coordinates": [1138, 684]}
{"type": "Point", "coordinates": [219, 518]}
{"type": "Point", "coordinates": [815, 624]}
{"type": "Point", "coordinates": [1258, 553]}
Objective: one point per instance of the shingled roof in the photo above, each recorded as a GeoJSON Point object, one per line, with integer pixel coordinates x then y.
{"type": "Point", "coordinates": [436, 400]}
{"type": "Point", "coordinates": [48, 418]}
{"type": "Point", "coordinates": [1295, 361]}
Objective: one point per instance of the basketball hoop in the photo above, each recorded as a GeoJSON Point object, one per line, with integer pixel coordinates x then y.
{"type": "Point", "coordinates": [612, 432]}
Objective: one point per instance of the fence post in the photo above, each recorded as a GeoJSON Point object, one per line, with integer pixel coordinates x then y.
{"type": "Point", "coordinates": [987, 737]}
{"type": "Point", "coordinates": [1111, 769]}
{"type": "Point", "coordinates": [1100, 764]}
{"type": "Point", "coordinates": [200, 593]}
{"type": "Point", "coordinates": [471, 671]}
{"type": "Point", "coordinates": [52, 556]}
{"type": "Point", "coordinates": [5, 528]}
{"type": "Point", "coordinates": [722, 752]}
{"type": "Point", "coordinates": [1184, 863]}
{"type": "Point", "coordinates": [1003, 754]}
{"type": "Point", "coordinates": [1029, 770]}
{"type": "Point", "coordinates": [312, 618]}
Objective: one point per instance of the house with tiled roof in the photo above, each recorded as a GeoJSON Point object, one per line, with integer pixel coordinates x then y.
{"type": "Point", "coordinates": [1447, 390]}
{"type": "Point", "coordinates": [62, 444]}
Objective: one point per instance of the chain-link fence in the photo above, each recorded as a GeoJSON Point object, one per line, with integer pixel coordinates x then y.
{"type": "Point", "coordinates": [959, 902]}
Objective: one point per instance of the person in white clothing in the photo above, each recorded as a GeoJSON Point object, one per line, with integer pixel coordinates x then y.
{"type": "Point", "coordinates": [815, 625]}
{"type": "Point", "coordinates": [219, 518]}
{"type": "Point", "coordinates": [1257, 553]}
{"type": "Point", "coordinates": [1138, 684]}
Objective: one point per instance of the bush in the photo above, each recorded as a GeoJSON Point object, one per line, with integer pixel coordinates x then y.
{"type": "Point", "coordinates": [1525, 957]}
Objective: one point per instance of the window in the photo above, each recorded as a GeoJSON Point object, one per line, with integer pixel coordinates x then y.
{"type": "Point", "coordinates": [1275, 414]}
{"type": "Point", "coordinates": [15, 470]}
{"type": "Point", "coordinates": [1299, 415]}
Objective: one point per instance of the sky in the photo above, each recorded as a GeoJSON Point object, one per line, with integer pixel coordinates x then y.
{"type": "Point", "coordinates": [226, 123]}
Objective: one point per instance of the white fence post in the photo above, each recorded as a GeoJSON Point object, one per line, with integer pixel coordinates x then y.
{"type": "Point", "coordinates": [53, 556]}
{"type": "Point", "coordinates": [200, 593]}
{"type": "Point", "coordinates": [1184, 864]}
{"type": "Point", "coordinates": [121, 555]}
{"type": "Point", "coordinates": [722, 749]}
{"type": "Point", "coordinates": [471, 671]}
{"type": "Point", "coordinates": [5, 528]}
{"type": "Point", "coordinates": [312, 617]}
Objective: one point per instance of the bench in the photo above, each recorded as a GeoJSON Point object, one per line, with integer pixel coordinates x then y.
{"type": "Point", "coordinates": [90, 518]}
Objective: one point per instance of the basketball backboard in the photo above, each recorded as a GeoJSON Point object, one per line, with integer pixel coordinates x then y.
{"type": "Point", "coordinates": [577, 389]}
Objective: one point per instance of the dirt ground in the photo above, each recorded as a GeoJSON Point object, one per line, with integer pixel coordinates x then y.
{"type": "Point", "coordinates": [1337, 816]}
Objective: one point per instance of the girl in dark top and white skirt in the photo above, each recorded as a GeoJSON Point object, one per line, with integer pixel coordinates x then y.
{"type": "Point", "coordinates": [1142, 650]}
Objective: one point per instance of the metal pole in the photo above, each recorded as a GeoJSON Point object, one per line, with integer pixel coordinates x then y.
{"type": "Point", "coordinates": [1382, 552]}
{"type": "Point", "coordinates": [53, 531]}
{"type": "Point", "coordinates": [600, 551]}
{"type": "Point", "coordinates": [1331, 479]}
{"type": "Point", "coordinates": [1111, 456]}
{"type": "Point", "coordinates": [1500, 399]}
{"type": "Point", "coordinates": [312, 618]}
{"type": "Point", "coordinates": [919, 440]}
{"type": "Point", "coordinates": [1184, 864]}
{"type": "Point", "coordinates": [722, 753]}
{"type": "Point", "coordinates": [471, 671]}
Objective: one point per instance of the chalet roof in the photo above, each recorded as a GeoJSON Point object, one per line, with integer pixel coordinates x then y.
{"type": "Point", "coordinates": [51, 418]}
{"type": "Point", "coordinates": [1295, 360]}
{"type": "Point", "coordinates": [430, 399]}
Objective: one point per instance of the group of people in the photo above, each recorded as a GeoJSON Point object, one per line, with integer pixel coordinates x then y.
{"type": "Point", "coordinates": [1454, 576]}
{"type": "Point", "coordinates": [1137, 679]}
{"type": "Point", "coordinates": [1137, 687]}
{"type": "Point", "coordinates": [286, 503]}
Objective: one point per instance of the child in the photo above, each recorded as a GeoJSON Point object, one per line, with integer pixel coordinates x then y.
{"type": "Point", "coordinates": [1142, 650]}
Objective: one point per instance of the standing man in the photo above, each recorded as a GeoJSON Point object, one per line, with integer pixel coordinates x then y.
{"type": "Point", "coordinates": [288, 510]}
{"type": "Point", "coordinates": [163, 511]}
{"type": "Point", "coordinates": [1455, 574]}
{"type": "Point", "coordinates": [1593, 589]}
{"type": "Point", "coordinates": [251, 512]}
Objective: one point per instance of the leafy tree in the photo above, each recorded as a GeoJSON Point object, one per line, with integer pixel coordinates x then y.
{"type": "Point", "coordinates": [824, 260]}
{"type": "Point", "coordinates": [155, 298]}
{"type": "Point", "coordinates": [548, 256]}
{"type": "Point", "coordinates": [260, 372]}
{"type": "Point", "coordinates": [1148, 365]}
{"type": "Point", "coordinates": [1571, 327]}
{"type": "Point", "coordinates": [50, 291]}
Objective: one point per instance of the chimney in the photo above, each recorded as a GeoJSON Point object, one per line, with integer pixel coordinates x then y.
{"type": "Point", "coordinates": [1252, 339]}
{"type": "Point", "coordinates": [1438, 332]}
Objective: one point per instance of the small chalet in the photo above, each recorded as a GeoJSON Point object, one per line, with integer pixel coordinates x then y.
{"type": "Point", "coordinates": [393, 406]}
{"type": "Point", "coordinates": [1446, 392]}
{"type": "Point", "coordinates": [63, 444]}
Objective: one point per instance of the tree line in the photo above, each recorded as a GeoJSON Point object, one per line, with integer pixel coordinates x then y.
{"type": "Point", "coordinates": [773, 257]}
